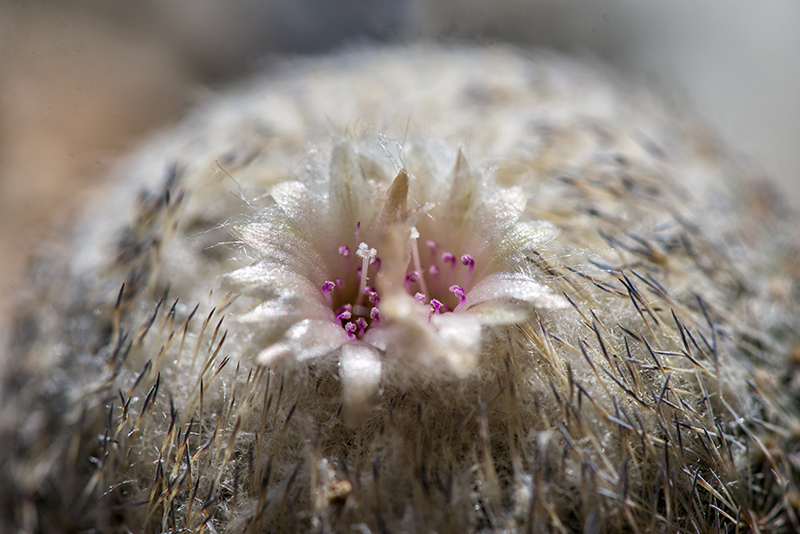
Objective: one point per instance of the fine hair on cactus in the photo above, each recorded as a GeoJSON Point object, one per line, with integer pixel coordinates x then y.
{"type": "Point", "coordinates": [415, 289]}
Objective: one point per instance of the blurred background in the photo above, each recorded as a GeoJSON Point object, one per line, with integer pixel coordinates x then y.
{"type": "Point", "coordinates": [82, 81]}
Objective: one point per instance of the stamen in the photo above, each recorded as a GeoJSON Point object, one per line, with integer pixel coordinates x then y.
{"type": "Point", "coordinates": [362, 325]}
{"type": "Point", "coordinates": [458, 291]}
{"type": "Point", "coordinates": [449, 258]}
{"type": "Point", "coordinates": [415, 257]}
{"type": "Point", "coordinates": [467, 260]}
{"type": "Point", "coordinates": [366, 254]}
{"type": "Point", "coordinates": [432, 246]}
{"type": "Point", "coordinates": [327, 289]}
{"type": "Point", "coordinates": [411, 278]}
{"type": "Point", "coordinates": [350, 328]}
{"type": "Point", "coordinates": [357, 317]}
{"type": "Point", "coordinates": [435, 306]}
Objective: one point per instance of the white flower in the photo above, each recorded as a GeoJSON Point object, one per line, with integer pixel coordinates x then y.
{"type": "Point", "coordinates": [344, 266]}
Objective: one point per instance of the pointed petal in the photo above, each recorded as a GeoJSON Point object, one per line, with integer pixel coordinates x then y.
{"type": "Point", "coordinates": [272, 318]}
{"type": "Point", "coordinates": [372, 171]}
{"type": "Point", "coordinates": [394, 254]}
{"type": "Point", "coordinates": [285, 310]}
{"type": "Point", "coordinates": [277, 241]}
{"type": "Point", "coordinates": [499, 312]}
{"type": "Point", "coordinates": [452, 339]}
{"type": "Point", "coordinates": [427, 183]}
{"type": "Point", "coordinates": [269, 334]}
{"type": "Point", "coordinates": [504, 207]}
{"type": "Point", "coordinates": [400, 306]}
{"type": "Point", "coordinates": [464, 193]}
{"type": "Point", "coordinates": [274, 354]}
{"type": "Point", "coordinates": [303, 209]}
{"type": "Point", "coordinates": [314, 338]}
{"type": "Point", "coordinates": [495, 224]}
{"type": "Point", "coordinates": [266, 280]}
{"type": "Point", "coordinates": [516, 286]}
{"type": "Point", "coordinates": [350, 195]}
{"type": "Point", "coordinates": [383, 338]}
{"type": "Point", "coordinates": [305, 340]}
{"type": "Point", "coordinates": [510, 247]}
{"type": "Point", "coordinates": [394, 206]}
{"type": "Point", "coordinates": [449, 342]}
{"type": "Point", "coordinates": [360, 370]}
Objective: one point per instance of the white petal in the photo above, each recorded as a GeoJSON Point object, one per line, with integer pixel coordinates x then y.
{"type": "Point", "coordinates": [278, 241]}
{"type": "Point", "coordinates": [271, 314]}
{"type": "Point", "coordinates": [351, 199]}
{"type": "Point", "coordinates": [315, 338]}
{"type": "Point", "coordinates": [464, 199]}
{"type": "Point", "coordinates": [394, 205]}
{"type": "Point", "coordinates": [360, 370]}
{"type": "Point", "coordinates": [248, 277]}
{"type": "Point", "coordinates": [272, 318]}
{"type": "Point", "coordinates": [494, 231]}
{"type": "Point", "coordinates": [274, 354]}
{"type": "Point", "coordinates": [305, 340]}
{"type": "Point", "coordinates": [464, 189]}
{"type": "Point", "coordinates": [509, 247]}
{"type": "Point", "coordinates": [305, 210]}
{"type": "Point", "coordinates": [272, 280]}
{"type": "Point", "coordinates": [280, 310]}
{"type": "Point", "coordinates": [412, 333]}
{"type": "Point", "coordinates": [505, 206]}
{"type": "Point", "coordinates": [517, 286]}
{"type": "Point", "coordinates": [403, 307]}
{"type": "Point", "coordinates": [500, 312]}
{"type": "Point", "coordinates": [383, 337]}
{"type": "Point", "coordinates": [459, 339]}
{"type": "Point", "coordinates": [427, 183]}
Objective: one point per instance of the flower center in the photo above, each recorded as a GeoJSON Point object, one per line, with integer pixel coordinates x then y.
{"type": "Point", "coordinates": [440, 283]}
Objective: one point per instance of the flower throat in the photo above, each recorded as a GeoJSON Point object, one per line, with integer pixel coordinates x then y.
{"type": "Point", "coordinates": [440, 283]}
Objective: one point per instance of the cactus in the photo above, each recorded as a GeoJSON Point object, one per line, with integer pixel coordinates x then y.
{"type": "Point", "coordinates": [451, 289]}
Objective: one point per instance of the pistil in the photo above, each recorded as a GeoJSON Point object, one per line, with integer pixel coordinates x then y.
{"type": "Point", "coordinates": [467, 261]}
{"type": "Point", "coordinates": [459, 292]}
{"type": "Point", "coordinates": [327, 289]}
{"type": "Point", "coordinates": [366, 254]}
